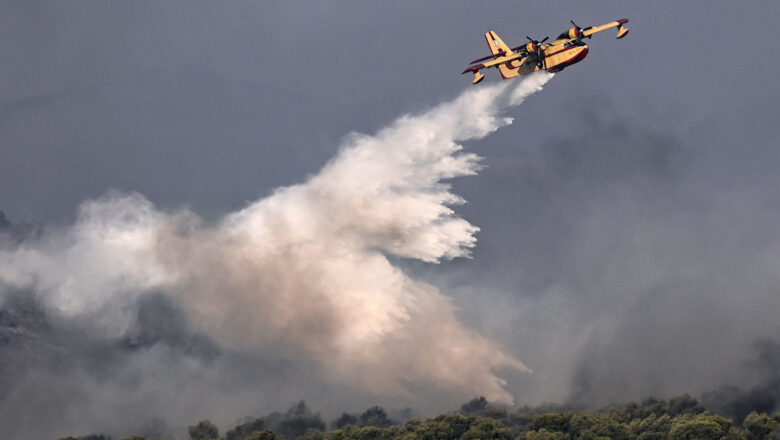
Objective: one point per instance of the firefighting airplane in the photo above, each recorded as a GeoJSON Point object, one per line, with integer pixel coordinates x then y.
{"type": "Point", "coordinates": [566, 50]}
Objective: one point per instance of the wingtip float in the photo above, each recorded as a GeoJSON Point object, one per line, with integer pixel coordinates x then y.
{"type": "Point", "coordinates": [567, 49]}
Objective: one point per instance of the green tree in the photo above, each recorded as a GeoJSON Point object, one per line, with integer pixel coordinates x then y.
{"type": "Point", "coordinates": [443, 427]}
{"type": "Point", "coordinates": [544, 434]}
{"type": "Point", "coordinates": [264, 435]}
{"type": "Point", "coordinates": [344, 420]}
{"type": "Point", "coordinates": [298, 420]}
{"type": "Point", "coordinates": [684, 404]}
{"type": "Point", "coordinates": [312, 434]}
{"type": "Point", "coordinates": [141, 437]}
{"type": "Point", "coordinates": [652, 427]}
{"type": "Point", "coordinates": [375, 416]}
{"type": "Point", "coordinates": [651, 436]}
{"type": "Point", "coordinates": [454, 427]}
{"type": "Point", "coordinates": [551, 422]}
{"type": "Point", "coordinates": [486, 429]}
{"type": "Point", "coordinates": [589, 426]}
{"type": "Point", "coordinates": [243, 430]}
{"type": "Point", "coordinates": [474, 405]}
{"type": "Point", "coordinates": [491, 412]}
{"type": "Point", "coordinates": [355, 432]}
{"type": "Point", "coordinates": [761, 426]}
{"type": "Point", "coordinates": [479, 407]}
{"type": "Point", "coordinates": [699, 427]}
{"type": "Point", "coordinates": [203, 430]}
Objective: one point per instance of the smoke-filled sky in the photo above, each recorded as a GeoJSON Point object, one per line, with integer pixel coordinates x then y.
{"type": "Point", "coordinates": [244, 205]}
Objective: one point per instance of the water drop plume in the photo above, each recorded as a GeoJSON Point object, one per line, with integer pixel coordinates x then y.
{"type": "Point", "coordinates": [307, 272]}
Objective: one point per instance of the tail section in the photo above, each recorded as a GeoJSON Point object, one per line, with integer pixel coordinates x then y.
{"type": "Point", "coordinates": [498, 47]}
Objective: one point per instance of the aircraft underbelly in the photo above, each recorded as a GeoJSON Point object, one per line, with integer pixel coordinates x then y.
{"type": "Point", "coordinates": [557, 60]}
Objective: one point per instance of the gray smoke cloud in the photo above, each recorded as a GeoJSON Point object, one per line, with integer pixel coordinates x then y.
{"type": "Point", "coordinates": [637, 269]}
{"type": "Point", "coordinates": [763, 396]}
{"type": "Point", "coordinates": [303, 278]}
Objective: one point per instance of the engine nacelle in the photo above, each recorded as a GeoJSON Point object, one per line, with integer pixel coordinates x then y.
{"type": "Point", "coordinates": [531, 47]}
{"type": "Point", "coordinates": [575, 33]}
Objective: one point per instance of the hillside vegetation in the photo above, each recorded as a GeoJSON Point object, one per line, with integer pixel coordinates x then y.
{"type": "Point", "coordinates": [680, 418]}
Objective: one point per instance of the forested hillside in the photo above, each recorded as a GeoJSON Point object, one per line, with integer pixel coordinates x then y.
{"type": "Point", "coordinates": [680, 418]}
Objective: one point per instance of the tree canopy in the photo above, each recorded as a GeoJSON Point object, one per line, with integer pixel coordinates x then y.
{"type": "Point", "coordinates": [679, 418]}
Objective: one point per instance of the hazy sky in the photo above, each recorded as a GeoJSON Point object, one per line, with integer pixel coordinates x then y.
{"type": "Point", "coordinates": [212, 105]}
{"type": "Point", "coordinates": [628, 217]}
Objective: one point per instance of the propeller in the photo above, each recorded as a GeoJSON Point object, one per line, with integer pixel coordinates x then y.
{"type": "Point", "coordinates": [537, 45]}
{"type": "Point", "coordinates": [536, 41]}
{"type": "Point", "coordinates": [579, 29]}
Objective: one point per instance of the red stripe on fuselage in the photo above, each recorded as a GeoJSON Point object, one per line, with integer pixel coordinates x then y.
{"type": "Point", "coordinates": [575, 59]}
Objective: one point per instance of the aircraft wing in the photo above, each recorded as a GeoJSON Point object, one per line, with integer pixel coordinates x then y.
{"type": "Point", "coordinates": [506, 59]}
{"type": "Point", "coordinates": [507, 65]}
{"type": "Point", "coordinates": [622, 31]}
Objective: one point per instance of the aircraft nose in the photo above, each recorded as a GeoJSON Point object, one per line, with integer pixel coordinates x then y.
{"type": "Point", "coordinates": [581, 53]}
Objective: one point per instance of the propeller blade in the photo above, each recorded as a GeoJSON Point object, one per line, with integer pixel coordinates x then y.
{"type": "Point", "coordinates": [545, 39]}
{"type": "Point", "coordinates": [575, 24]}
{"type": "Point", "coordinates": [529, 39]}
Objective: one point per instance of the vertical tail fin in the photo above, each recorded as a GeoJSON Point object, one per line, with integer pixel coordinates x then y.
{"type": "Point", "coordinates": [498, 47]}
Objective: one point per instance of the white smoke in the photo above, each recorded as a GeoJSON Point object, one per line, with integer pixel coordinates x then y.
{"type": "Point", "coordinates": [305, 271]}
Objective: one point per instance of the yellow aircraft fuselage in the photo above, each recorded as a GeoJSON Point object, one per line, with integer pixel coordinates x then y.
{"type": "Point", "coordinates": [566, 50]}
{"type": "Point", "coordinates": [559, 56]}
